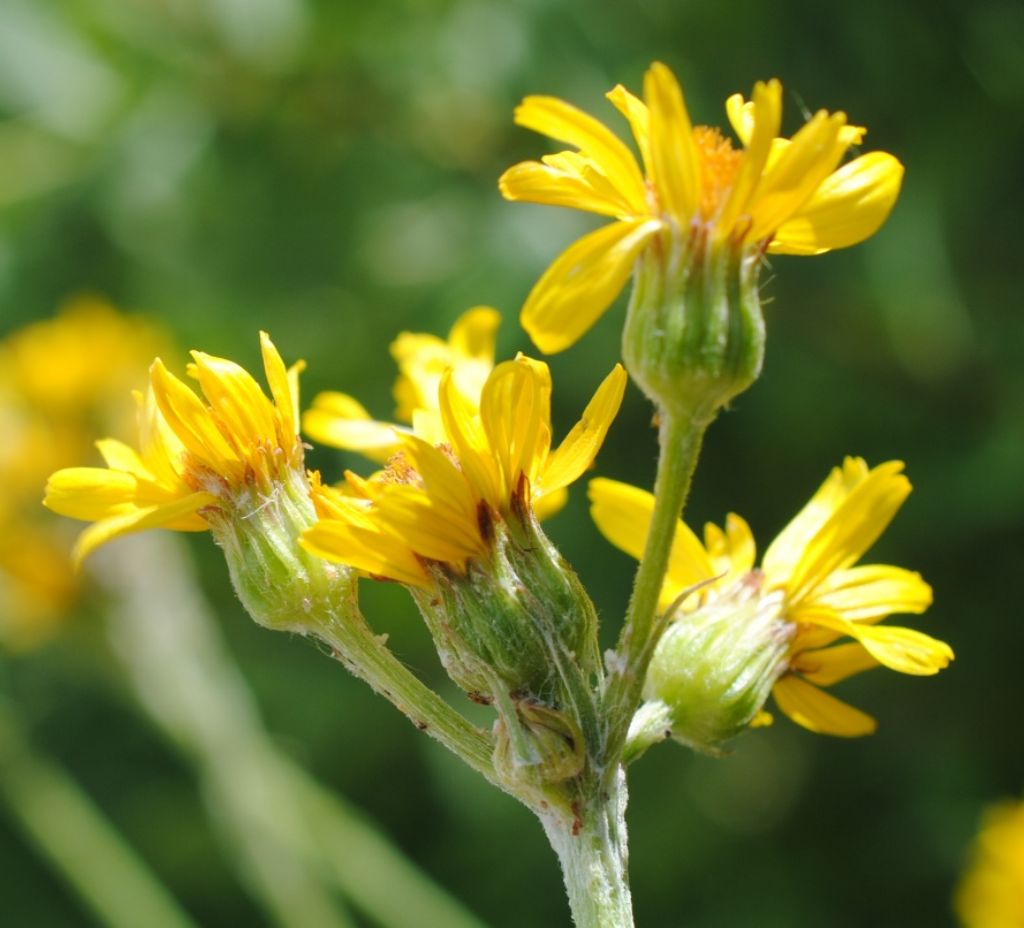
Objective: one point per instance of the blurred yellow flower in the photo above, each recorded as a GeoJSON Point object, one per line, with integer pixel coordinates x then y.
{"type": "Point", "coordinates": [806, 580]}
{"type": "Point", "coordinates": [60, 379]}
{"type": "Point", "coordinates": [785, 196]}
{"type": "Point", "coordinates": [192, 454]}
{"type": "Point", "coordinates": [991, 894]}
{"type": "Point", "coordinates": [438, 503]}
{"type": "Point", "coordinates": [341, 421]}
{"type": "Point", "coordinates": [86, 358]}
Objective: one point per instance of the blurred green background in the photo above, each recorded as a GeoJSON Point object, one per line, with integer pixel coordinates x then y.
{"type": "Point", "coordinates": [327, 170]}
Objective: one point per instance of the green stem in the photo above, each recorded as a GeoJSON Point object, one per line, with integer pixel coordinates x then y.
{"type": "Point", "coordinates": [65, 825]}
{"type": "Point", "coordinates": [367, 657]}
{"type": "Point", "coordinates": [680, 440]}
{"type": "Point", "coordinates": [592, 851]}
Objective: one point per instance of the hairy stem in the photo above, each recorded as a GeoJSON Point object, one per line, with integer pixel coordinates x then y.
{"type": "Point", "coordinates": [367, 657]}
{"type": "Point", "coordinates": [680, 441]}
{"type": "Point", "coordinates": [592, 851]}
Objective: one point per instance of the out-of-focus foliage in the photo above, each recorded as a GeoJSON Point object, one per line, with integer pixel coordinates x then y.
{"type": "Point", "coordinates": [327, 171]}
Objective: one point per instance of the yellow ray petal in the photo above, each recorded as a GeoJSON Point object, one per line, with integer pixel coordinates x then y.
{"type": "Point", "coordinates": [190, 420]}
{"type": "Point", "coordinates": [635, 110]}
{"type": "Point", "coordinates": [784, 554]}
{"type": "Point", "coordinates": [561, 121]}
{"type": "Point", "coordinates": [533, 182]}
{"type": "Point", "coordinates": [165, 515]}
{"type": "Point", "coordinates": [674, 159]}
{"type": "Point", "coordinates": [285, 400]}
{"type": "Point", "coordinates": [848, 207]}
{"type": "Point", "coordinates": [443, 482]}
{"type": "Point", "coordinates": [819, 712]}
{"type": "Point", "coordinates": [766, 118]}
{"type": "Point", "coordinates": [119, 456]}
{"type": "Point", "coordinates": [515, 409]}
{"type": "Point", "coordinates": [810, 157]}
{"type": "Point", "coordinates": [160, 449]}
{"type": "Point", "coordinates": [89, 493]}
{"type": "Point", "coordinates": [733, 551]}
{"type": "Point", "coordinates": [340, 421]}
{"type": "Point", "coordinates": [904, 650]}
{"type": "Point", "coordinates": [474, 333]}
{"type": "Point", "coordinates": [422, 359]}
{"type": "Point", "coordinates": [365, 549]}
{"type": "Point", "coordinates": [853, 528]}
{"type": "Point", "coordinates": [869, 593]}
{"type": "Point", "coordinates": [425, 525]}
{"type": "Point", "coordinates": [465, 431]}
{"type": "Point", "coordinates": [741, 117]}
{"type": "Point", "coordinates": [246, 415]}
{"type": "Point", "coordinates": [579, 448]}
{"type": "Point", "coordinates": [428, 425]}
{"type": "Point", "coordinates": [574, 164]}
{"type": "Point", "coordinates": [582, 283]}
{"type": "Point", "coordinates": [547, 503]}
{"type": "Point", "coordinates": [622, 514]}
{"type": "Point", "coordinates": [826, 666]}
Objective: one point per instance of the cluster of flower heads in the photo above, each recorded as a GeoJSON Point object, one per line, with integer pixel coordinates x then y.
{"type": "Point", "coordinates": [474, 444]}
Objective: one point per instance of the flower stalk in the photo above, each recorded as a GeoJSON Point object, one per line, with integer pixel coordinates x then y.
{"type": "Point", "coordinates": [680, 442]}
{"type": "Point", "coordinates": [592, 851]}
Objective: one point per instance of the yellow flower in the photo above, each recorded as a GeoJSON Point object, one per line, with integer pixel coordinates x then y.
{"type": "Point", "coordinates": [439, 503]}
{"type": "Point", "coordinates": [339, 420]}
{"type": "Point", "coordinates": [991, 894]}
{"type": "Point", "coordinates": [89, 356]}
{"type": "Point", "coordinates": [59, 379]}
{"type": "Point", "coordinates": [807, 583]}
{"type": "Point", "coordinates": [192, 456]}
{"type": "Point", "coordinates": [785, 196]}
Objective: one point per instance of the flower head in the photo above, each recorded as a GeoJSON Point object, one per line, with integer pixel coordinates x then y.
{"type": "Point", "coordinates": [437, 503]}
{"type": "Point", "coordinates": [341, 421]}
{"type": "Point", "coordinates": [691, 190]}
{"type": "Point", "coordinates": [456, 524]}
{"type": "Point", "coordinates": [193, 458]}
{"type": "Point", "coordinates": [806, 594]}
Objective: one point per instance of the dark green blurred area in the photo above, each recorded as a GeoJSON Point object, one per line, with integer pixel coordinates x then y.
{"type": "Point", "coordinates": [327, 171]}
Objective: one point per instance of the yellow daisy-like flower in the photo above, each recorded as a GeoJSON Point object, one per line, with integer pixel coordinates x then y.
{"type": "Point", "coordinates": [784, 196]}
{"type": "Point", "coordinates": [991, 894]}
{"type": "Point", "coordinates": [341, 421]}
{"type": "Point", "coordinates": [439, 503]}
{"type": "Point", "coordinates": [192, 456]}
{"type": "Point", "coordinates": [806, 584]}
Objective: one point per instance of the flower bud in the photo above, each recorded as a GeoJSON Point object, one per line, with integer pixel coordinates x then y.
{"type": "Point", "coordinates": [537, 746]}
{"type": "Point", "coordinates": [517, 620]}
{"type": "Point", "coordinates": [694, 334]}
{"type": "Point", "coordinates": [714, 668]}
